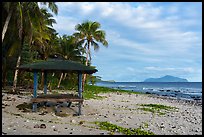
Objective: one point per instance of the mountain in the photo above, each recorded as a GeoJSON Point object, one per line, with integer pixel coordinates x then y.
{"type": "Point", "coordinates": [166, 78]}
{"type": "Point", "coordinates": [108, 80]}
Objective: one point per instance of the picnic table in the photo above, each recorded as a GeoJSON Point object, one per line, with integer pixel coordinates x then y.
{"type": "Point", "coordinates": [57, 98]}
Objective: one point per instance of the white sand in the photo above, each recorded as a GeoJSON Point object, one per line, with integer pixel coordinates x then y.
{"type": "Point", "coordinates": [120, 109]}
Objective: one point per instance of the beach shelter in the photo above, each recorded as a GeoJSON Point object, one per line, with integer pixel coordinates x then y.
{"type": "Point", "coordinates": [56, 65]}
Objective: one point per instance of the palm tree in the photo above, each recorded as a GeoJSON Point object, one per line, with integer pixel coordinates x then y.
{"type": "Point", "coordinates": [89, 34]}
{"type": "Point", "coordinates": [42, 36]}
{"type": "Point", "coordinates": [68, 49]}
{"type": "Point", "coordinates": [26, 15]}
{"type": "Point", "coordinates": [16, 7]}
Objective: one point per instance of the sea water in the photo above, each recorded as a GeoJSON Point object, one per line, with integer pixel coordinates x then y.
{"type": "Point", "coordinates": [179, 90]}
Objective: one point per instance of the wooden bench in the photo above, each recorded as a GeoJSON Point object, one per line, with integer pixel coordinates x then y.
{"type": "Point", "coordinates": [57, 98]}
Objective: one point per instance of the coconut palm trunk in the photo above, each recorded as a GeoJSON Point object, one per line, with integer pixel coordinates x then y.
{"type": "Point", "coordinates": [16, 73]}
{"type": "Point", "coordinates": [60, 80]}
{"type": "Point", "coordinates": [87, 60]}
{"type": "Point", "coordinates": [6, 23]}
{"type": "Point", "coordinates": [22, 36]}
{"type": "Point", "coordinates": [42, 80]}
{"type": "Point", "coordinates": [65, 76]}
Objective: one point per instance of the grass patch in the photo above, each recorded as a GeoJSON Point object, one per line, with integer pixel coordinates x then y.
{"type": "Point", "coordinates": [114, 128]}
{"type": "Point", "coordinates": [157, 108]}
{"type": "Point", "coordinates": [91, 92]}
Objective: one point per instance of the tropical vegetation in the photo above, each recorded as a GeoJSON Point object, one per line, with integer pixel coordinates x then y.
{"type": "Point", "coordinates": [105, 125]}
{"type": "Point", "coordinates": [28, 36]}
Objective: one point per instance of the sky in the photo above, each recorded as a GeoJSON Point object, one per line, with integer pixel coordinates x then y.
{"type": "Point", "coordinates": [146, 40]}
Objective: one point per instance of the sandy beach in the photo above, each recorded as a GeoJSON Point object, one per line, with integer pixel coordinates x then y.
{"type": "Point", "coordinates": [121, 109]}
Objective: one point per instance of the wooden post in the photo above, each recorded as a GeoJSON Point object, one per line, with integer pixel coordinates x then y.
{"type": "Point", "coordinates": [80, 90]}
{"type": "Point", "coordinates": [35, 84]}
{"type": "Point", "coordinates": [45, 82]}
{"type": "Point", "coordinates": [35, 89]}
{"type": "Point", "coordinates": [80, 85]}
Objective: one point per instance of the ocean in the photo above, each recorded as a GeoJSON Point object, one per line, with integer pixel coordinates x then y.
{"type": "Point", "coordinates": [179, 90]}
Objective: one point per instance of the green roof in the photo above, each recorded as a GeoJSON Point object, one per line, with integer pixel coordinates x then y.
{"type": "Point", "coordinates": [57, 65]}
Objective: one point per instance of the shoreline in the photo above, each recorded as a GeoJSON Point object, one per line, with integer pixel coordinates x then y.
{"type": "Point", "coordinates": [167, 95]}
{"type": "Point", "coordinates": [118, 108]}
{"type": "Point", "coordinates": [180, 90]}
{"type": "Point", "coordinates": [180, 100]}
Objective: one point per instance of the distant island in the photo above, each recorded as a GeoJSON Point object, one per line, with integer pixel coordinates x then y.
{"type": "Point", "coordinates": [166, 78]}
{"type": "Point", "coordinates": [107, 81]}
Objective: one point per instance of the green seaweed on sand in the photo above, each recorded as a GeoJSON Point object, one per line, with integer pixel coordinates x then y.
{"type": "Point", "coordinates": [127, 131]}
{"type": "Point", "coordinates": [62, 114]}
{"type": "Point", "coordinates": [157, 108]}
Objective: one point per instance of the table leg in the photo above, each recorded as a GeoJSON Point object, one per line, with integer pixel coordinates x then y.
{"type": "Point", "coordinates": [34, 107]}
{"type": "Point", "coordinates": [69, 104]}
{"type": "Point", "coordinates": [79, 113]}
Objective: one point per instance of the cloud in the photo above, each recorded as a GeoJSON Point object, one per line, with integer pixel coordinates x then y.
{"type": "Point", "coordinates": [145, 18]}
{"type": "Point", "coordinates": [87, 8]}
{"type": "Point", "coordinates": [65, 25]}
{"type": "Point", "coordinates": [130, 69]}
{"type": "Point", "coordinates": [152, 37]}
{"type": "Point", "coordinates": [186, 70]}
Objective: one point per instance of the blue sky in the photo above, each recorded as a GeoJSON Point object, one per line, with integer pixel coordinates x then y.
{"type": "Point", "coordinates": [145, 39]}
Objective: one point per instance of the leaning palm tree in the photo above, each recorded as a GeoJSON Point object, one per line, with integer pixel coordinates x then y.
{"type": "Point", "coordinates": [89, 34]}
{"type": "Point", "coordinates": [8, 8]}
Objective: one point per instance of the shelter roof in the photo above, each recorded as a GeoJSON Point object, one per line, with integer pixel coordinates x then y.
{"type": "Point", "coordinates": [57, 65]}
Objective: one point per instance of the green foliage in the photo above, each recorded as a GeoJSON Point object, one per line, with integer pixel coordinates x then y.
{"type": "Point", "coordinates": [91, 91]}
{"type": "Point", "coordinates": [27, 26]}
{"type": "Point", "coordinates": [114, 128]}
{"type": "Point", "coordinates": [71, 82]}
{"type": "Point", "coordinates": [10, 75]}
{"type": "Point", "coordinates": [93, 79]}
{"type": "Point", "coordinates": [68, 48]}
{"type": "Point", "coordinates": [157, 108]}
{"type": "Point", "coordinates": [26, 55]}
{"type": "Point", "coordinates": [52, 80]}
{"type": "Point", "coordinates": [26, 79]}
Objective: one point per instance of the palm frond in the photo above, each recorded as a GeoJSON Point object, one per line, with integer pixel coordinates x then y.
{"type": "Point", "coordinates": [95, 45]}
{"type": "Point", "coordinates": [95, 26]}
